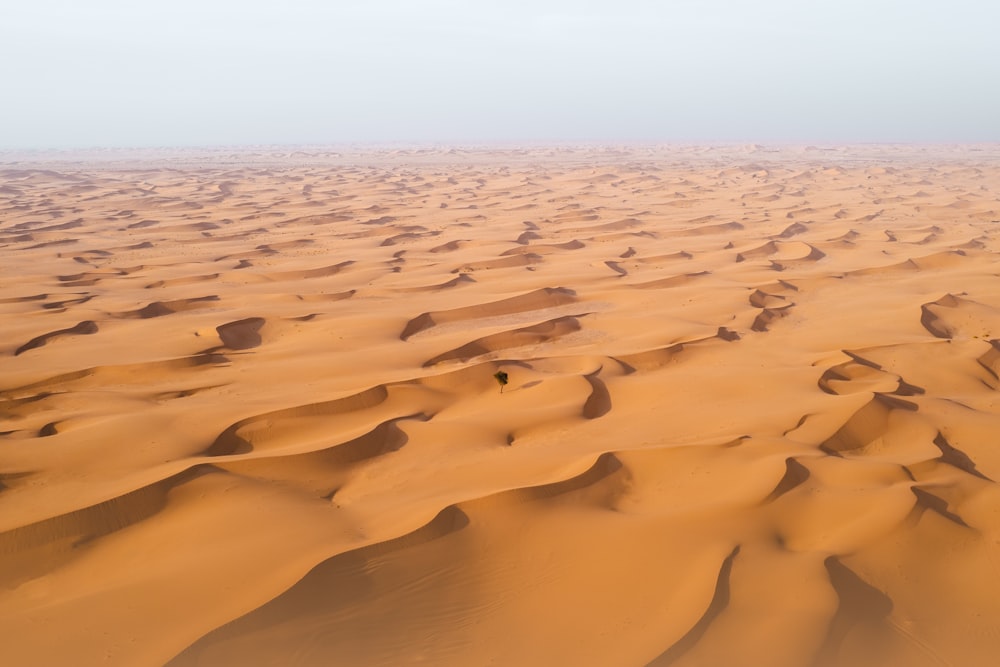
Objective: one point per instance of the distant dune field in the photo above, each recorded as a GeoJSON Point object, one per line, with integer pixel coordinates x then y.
{"type": "Point", "coordinates": [248, 413]}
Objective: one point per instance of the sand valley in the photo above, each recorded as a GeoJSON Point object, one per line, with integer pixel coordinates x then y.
{"type": "Point", "coordinates": [248, 413]}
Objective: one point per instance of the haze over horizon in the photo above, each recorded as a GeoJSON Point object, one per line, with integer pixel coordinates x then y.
{"type": "Point", "coordinates": [119, 74]}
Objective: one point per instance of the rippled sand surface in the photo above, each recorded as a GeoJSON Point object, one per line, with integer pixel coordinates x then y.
{"type": "Point", "coordinates": [248, 413]}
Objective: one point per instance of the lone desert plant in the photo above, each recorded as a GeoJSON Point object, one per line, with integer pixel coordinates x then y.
{"type": "Point", "coordinates": [501, 378]}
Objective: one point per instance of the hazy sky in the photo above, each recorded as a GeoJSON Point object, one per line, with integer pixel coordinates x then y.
{"type": "Point", "coordinates": [209, 72]}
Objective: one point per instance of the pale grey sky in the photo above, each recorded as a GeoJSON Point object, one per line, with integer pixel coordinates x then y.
{"type": "Point", "coordinates": [83, 73]}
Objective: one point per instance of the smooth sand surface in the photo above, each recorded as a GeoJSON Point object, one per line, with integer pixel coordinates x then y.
{"type": "Point", "coordinates": [248, 413]}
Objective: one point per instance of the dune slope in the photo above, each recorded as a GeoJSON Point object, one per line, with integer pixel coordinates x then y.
{"type": "Point", "coordinates": [248, 413]}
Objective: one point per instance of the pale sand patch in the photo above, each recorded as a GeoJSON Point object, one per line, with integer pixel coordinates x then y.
{"type": "Point", "coordinates": [248, 412]}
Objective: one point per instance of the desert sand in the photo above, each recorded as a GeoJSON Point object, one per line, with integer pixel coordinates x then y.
{"type": "Point", "coordinates": [248, 413]}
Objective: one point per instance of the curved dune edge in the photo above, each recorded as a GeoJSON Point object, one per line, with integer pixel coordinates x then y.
{"type": "Point", "coordinates": [85, 328]}
{"type": "Point", "coordinates": [600, 484]}
{"type": "Point", "coordinates": [543, 333]}
{"type": "Point", "coordinates": [749, 400]}
{"type": "Point", "coordinates": [542, 299]}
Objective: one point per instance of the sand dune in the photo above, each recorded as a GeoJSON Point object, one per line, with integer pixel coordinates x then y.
{"type": "Point", "coordinates": [249, 411]}
{"type": "Point", "coordinates": [538, 300]}
{"type": "Point", "coordinates": [81, 329]}
{"type": "Point", "coordinates": [545, 332]}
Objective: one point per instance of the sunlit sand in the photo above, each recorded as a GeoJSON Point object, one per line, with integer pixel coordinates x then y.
{"type": "Point", "coordinates": [249, 410]}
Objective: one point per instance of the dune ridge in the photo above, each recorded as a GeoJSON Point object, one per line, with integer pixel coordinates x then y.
{"type": "Point", "coordinates": [250, 414]}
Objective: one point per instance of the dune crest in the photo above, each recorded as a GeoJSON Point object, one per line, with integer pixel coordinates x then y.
{"type": "Point", "coordinates": [547, 405]}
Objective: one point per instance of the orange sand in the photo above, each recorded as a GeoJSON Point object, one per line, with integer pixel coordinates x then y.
{"type": "Point", "coordinates": [247, 412]}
